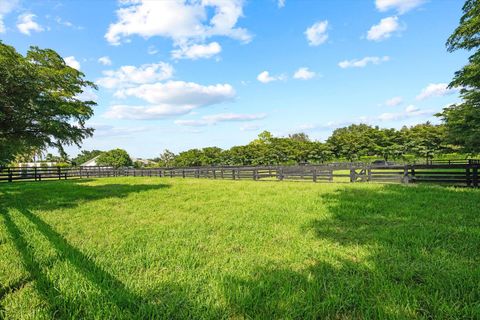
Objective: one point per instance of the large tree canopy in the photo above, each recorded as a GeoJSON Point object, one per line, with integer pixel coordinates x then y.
{"type": "Point", "coordinates": [39, 102]}
{"type": "Point", "coordinates": [115, 158]}
{"type": "Point", "coordinates": [463, 120]}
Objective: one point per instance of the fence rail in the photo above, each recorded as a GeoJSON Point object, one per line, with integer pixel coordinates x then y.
{"type": "Point", "coordinates": [457, 174]}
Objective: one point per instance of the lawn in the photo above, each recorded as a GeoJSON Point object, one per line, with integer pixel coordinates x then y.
{"type": "Point", "coordinates": [140, 248]}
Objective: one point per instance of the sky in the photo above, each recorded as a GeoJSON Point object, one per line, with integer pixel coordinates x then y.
{"type": "Point", "coordinates": [190, 74]}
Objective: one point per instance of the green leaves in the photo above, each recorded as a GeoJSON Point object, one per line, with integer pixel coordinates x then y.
{"type": "Point", "coordinates": [39, 104]}
{"type": "Point", "coordinates": [115, 158]}
{"type": "Point", "coordinates": [462, 121]}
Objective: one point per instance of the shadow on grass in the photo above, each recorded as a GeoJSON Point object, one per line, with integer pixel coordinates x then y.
{"type": "Point", "coordinates": [396, 252]}
{"type": "Point", "coordinates": [51, 195]}
{"type": "Point", "coordinates": [116, 300]}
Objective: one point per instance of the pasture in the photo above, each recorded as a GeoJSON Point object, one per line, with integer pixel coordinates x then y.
{"type": "Point", "coordinates": [146, 248]}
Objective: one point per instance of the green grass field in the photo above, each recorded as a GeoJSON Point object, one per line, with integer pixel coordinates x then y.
{"type": "Point", "coordinates": [145, 248]}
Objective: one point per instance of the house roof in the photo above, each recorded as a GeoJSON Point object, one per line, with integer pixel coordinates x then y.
{"type": "Point", "coordinates": [90, 163]}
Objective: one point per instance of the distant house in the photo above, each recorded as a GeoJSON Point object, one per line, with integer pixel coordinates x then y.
{"type": "Point", "coordinates": [144, 162]}
{"type": "Point", "coordinates": [90, 163]}
{"type": "Point", "coordinates": [93, 162]}
{"type": "Point", "coordinates": [37, 164]}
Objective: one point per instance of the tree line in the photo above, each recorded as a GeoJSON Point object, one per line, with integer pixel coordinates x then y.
{"type": "Point", "coordinates": [357, 142]}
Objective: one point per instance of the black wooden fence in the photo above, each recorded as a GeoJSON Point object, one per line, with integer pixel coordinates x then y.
{"type": "Point", "coordinates": [456, 174]}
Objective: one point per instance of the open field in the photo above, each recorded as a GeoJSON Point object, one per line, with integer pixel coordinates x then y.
{"type": "Point", "coordinates": [195, 248]}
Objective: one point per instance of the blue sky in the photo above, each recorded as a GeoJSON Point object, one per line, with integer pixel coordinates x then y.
{"type": "Point", "coordinates": [183, 74]}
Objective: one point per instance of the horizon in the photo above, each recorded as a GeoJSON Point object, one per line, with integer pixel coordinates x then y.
{"type": "Point", "coordinates": [186, 76]}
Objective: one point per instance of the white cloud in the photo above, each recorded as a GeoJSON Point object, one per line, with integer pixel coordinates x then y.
{"type": "Point", "coordinates": [303, 74]}
{"type": "Point", "coordinates": [410, 111]}
{"type": "Point", "coordinates": [393, 102]}
{"type": "Point", "coordinates": [105, 61]}
{"type": "Point", "coordinates": [384, 29]}
{"type": "Point", "coordinates": [327, 126]}
{"type": "Point", "coordinates": [401, 6]}
{"type": "Point", "coordinates": [265, 77]}
{"type": "Point", "coordinates": [317, 33]}
{"type": "Point", "coordinates": [411, 108]}
{"type": "Point", "coordinates": [87, 95]}
{"type": "Point", "coordinates": [67, 23]}
{"type": "Point", "coordinates": [180, 93]}
{"type": "Point", "coordinates": [281, 3]}
{"type": "Point", "coordinates": [361, 63]}
{"type": "Point", "coordinates": [152, 50]}
{"type": "Point", "coordinates": [26, 25]}
{"type": "Point", "coordinates": [187, 23]}
{"type": "Point", "coordinates": [197, 51]}
{"type": "Point", "coordinates": [250, 127]}
{"type": "Point", "coordinates": [72, 62]}
{"type": "Point", "coordinates": [63, 22]}
{"type": "Point", "coordinates": [436, 90]}
{"type": "Point", "coordinates": [5, 8]}
{"type": "Point", "coordinates": [222, 117]}
{"type": "Point", "coordinates": [104, 130]}
{"type": "Point", "coordinates": [148, 112]}
{"type": "Point", "coordinates": [169, 99]}
{"type": "Point", "coordinates": [127, 76]}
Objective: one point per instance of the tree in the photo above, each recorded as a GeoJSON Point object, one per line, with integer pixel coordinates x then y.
{"type": "Point", "coordinates": [388, 143]}
{"type": "Point", "coordinates": [301, 137]}
{"type": "Point", "coordinates": [166, 159]}
{"type": "Point", "coordinates": [189, 158]}
{"type": "Point", "coordinates": [264, 137]}
{"type": "Point", "coordinates": [352, 142]}
{"type": "Point", "coordinates": [84, 156]}
{"type": "Point", "coordinates": [425, 140]}
{"type": "Point", "coordinates": [115, 158]}
{"type": "Point", "coordinates": [462, 121]}
{"type": "Point", "coordinates": [39, 104]}
{"type": "Point", "coordinates": [211, 156]}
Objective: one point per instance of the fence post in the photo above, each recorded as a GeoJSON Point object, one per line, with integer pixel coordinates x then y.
{"type": "Point", "coordinates": [221, 173]}
{"type": "Point", "coordinates": [255, 174]}
{"type": "Point", "coordinates": [35, 173]}
{"type": "Point", "coordinates": [352, 174]}
{"type": "Point", "coordinates": [475, 176]}
{"type": "Point", "coordinates": [369, 173]}
{"type": "Point", "coordinates": [10, 175]}
{"type": "Point", "coordinates": [468, 176]}
{"type": "Point", "coordinates": [59, 173]}
{"type": "Point", "coordinates": [280, 175]}
{"type": "Point", "coordinates": [233, 174]}
{"type": "Point", "coordinates": [406, 178]}
{"type": "Point", "coordinates": [315, 175]}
